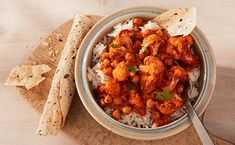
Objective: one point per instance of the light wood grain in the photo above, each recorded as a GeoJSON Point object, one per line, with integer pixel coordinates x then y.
{"type": "Point", "coordinates": [24, 22]}
{"type": "Point", "coordinates": [222, 105]}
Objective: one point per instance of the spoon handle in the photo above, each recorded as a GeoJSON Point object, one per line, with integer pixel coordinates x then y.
{"type": "Point", "coordinates": [202, 133]}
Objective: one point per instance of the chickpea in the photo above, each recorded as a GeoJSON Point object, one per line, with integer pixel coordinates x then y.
{"type": "Point", "coordinates": [116, 114]}
{"type": "Point", "coordinates": [129, 56]}
{"type": "Point", "coordinates": [150, 103]}
{"type": "Point", "coordinates": [135, 79]}
{"type": "Point", "coordinates": [117, 101]}
{"type": "Point", "coordinates": [108, 71]}
{"type": "Point", "coordinates": [114, 63]}
{"type": "Point", "coordinates": [108, 99]}
{"type": "Point", "coordinates": [126, 110]}
{"type": "Point", "coordinates": [106, 62]}
{"type": "Point", "coordinates": [105, 55]}
{"type": "Point", "coordinates": [102, 103]}
{"type": "Point", "coordinates": [180, 88]}
{"type": "Point", "coordinates": [137, 21]}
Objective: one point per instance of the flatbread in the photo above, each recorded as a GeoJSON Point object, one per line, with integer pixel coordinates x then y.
{"type": "Point", "coordinates": [63, 86]}
{"type": "Point", "coordinates": [28, 76]}
{"type": "Point", "coordinates": [177, 21]}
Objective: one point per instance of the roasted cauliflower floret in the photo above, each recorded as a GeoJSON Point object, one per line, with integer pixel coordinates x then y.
{"type": "Point", "coordinates": [120, 73]}
{"type": "Point", "coordinates": [170, 106]}
{"type": "Point", "coordinates": [175, 74]}
{"type": "Point", "coordinates": [112, 88]}
{"type": "Point", "coordinates": [150, 74]}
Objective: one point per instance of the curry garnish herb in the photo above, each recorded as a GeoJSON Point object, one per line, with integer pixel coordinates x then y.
{"type": "Point", "coordinates": [163, 96]}
{"type": "Point", "coordinates": [113, 45]}
{"type": "Point", "coordinates": [144, 46]}
{"type": "Point", "coordinates": [133, 68]}
{"type": "Point", "coordinates": [130, 86]}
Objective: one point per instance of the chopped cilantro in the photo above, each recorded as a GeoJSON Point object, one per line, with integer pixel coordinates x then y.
{"type": "Point", "coordinates": [130, 86]}
{"type": "Point", "coordinates": [163, 96]}
{"type": "Point", "coordinates": [133, 68]}
{"type": "Point", "coordinates": [144, 46]}
{"type": "Point", "coordinates": [114, 45]}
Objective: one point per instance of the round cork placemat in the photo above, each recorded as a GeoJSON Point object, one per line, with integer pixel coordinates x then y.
{"type": "Point", "coordinates": [79, 124]}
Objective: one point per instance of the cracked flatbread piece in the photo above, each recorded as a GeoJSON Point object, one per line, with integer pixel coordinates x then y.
{"type": "Point", "coordinates": [28, 76]}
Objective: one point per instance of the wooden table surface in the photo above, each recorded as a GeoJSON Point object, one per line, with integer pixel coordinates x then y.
{"type": "Point", "coordinates": [24, 23]}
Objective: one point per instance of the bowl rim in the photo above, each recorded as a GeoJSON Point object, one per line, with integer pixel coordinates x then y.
{"type": "Point", "coordinates": [99, 116]}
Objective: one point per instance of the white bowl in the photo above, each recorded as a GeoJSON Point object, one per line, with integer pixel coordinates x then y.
{"type": "Point", "coordinates": [83, 60]}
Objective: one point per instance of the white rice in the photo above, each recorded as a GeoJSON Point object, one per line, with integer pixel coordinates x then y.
{"type": "Point", "coordinates": [127, 25]}
{"type": "Point", "coordinates": [193, 77]}
{"type": "Point", "coordinates": [97, 77]}
{"type": "Point", "coordinates": [150, 26]}
{"type": "Point", "coordinates": [136, 120]}
{"type": "Point", "coordinates": [108, 111]}
{"type": "Point", "coordinates": [97, 51]}
{"type": "Point", "coordinates": [107, 40]}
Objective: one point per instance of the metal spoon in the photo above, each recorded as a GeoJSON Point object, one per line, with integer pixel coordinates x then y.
{"type": "Point", "coordinates": [202, 133]}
